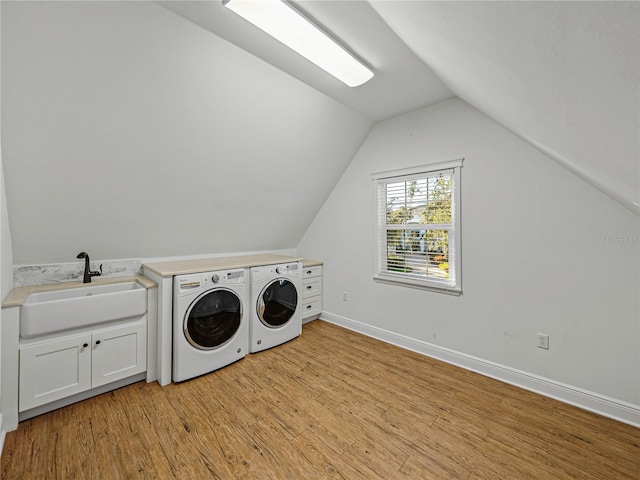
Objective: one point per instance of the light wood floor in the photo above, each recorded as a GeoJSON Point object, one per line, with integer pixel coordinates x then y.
{"type": "Point", "coordinates": [330, 404]}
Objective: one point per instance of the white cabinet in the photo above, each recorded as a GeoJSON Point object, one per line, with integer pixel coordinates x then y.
{"type": "Point", "coordinates": [118, 353]}
{"type": "Point", "coordinates": [311, 292]}
{"type": "Point", "coordinates": [56, 369]}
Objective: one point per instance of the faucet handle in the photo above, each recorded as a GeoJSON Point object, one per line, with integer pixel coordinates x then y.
{"type": "Point", "coordinates": [95, 273]}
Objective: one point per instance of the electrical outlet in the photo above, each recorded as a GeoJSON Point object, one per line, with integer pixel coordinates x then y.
{"type": "Point", "coordinates": [543, 341]}
{"type": "Point", "coordinates": [344, 296]}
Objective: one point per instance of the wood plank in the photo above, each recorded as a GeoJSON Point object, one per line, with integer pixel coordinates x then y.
{"type": "Point", "coordinates": [331, 404]}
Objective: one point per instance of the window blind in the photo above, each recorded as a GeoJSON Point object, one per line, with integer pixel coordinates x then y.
{"type": "Point", "coordinates": [417, 226]}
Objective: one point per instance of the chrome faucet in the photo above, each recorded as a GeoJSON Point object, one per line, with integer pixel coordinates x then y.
{"type": "Point", "coordinates": [87, 272]}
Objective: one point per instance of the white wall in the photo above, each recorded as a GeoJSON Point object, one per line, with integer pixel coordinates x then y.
{"type": "Point", "coordinates": [130, 132]}
{"type": "Point", "coordinates": [6, 248]}
{"type": "Point", "coordinates": [6, 262]}
{"type": "Point", "coordinates": [6, 252]}
{"type": "Point", "coordinates": [2, 232]}
{"type": "Point", "coordinates": [542, 251]}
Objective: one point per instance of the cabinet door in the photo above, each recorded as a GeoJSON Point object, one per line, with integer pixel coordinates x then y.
{"type": "Point", "coordinates": [54, 370]}
{"type": "Point", "coordinates": [118, 352]}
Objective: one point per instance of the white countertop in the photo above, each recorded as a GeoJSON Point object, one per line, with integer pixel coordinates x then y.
{"type": "Point", "coordinates": [307, 262]}
{"type": "Point", "coordinates": [180, 267]}
{"type": "Point", "coordinates": [165, 269]}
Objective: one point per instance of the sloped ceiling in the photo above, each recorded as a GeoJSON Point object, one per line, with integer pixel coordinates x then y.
{"type": "Point", "coordinates": [402, 82]}
{"type": "Point", "coordinates": [562, 75]}
{"type": "Point", "coordinates": [158, 129]}
{"type": "Point", "coordinates": [128, 131]}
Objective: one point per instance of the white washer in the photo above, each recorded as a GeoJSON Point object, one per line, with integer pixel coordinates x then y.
{"type": "Point", "coordinates": [276, 315]}
{"type": "Point", "coordinates": [210, 322]}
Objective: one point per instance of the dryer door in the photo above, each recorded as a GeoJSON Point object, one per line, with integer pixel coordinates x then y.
{"type": "Point", "coordinates": [277, 303]}
{"type": "Point", "coordinates": [213, 319]}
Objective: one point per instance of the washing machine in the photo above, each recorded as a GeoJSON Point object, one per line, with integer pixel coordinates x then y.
{"type": "Point", "coordinates": [276, 314]}
{"type": "Point", "coordinates": [210, 322]}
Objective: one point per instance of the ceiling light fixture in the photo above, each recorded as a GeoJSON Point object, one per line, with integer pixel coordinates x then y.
{"type": "Point", "coordinates": [286, 25]}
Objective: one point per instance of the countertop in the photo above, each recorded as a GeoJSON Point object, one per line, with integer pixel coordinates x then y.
{"type": "Point", "coordinates": [307, 262]}
{"type": "Point", "coordinates": [16, 296]}
{"type": "Point", "coordinates": [180, 267]}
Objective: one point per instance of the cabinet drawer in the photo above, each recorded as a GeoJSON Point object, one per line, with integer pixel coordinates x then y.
{"type": "Point", "coordinates": [312, 271]}
{"type": "Point", "coordinates": [312, 306]}
{"type": "Point", "coordinates": [311, 287]}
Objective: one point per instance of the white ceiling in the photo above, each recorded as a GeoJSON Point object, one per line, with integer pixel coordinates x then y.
{"type": "Point", "coordinates": [128, 131]}
{"type": "Point", "coordinates": [562, 75]}
{"type": "Point", "coordinates": [117, 116]}
{"type": "Point", "coordinates": [402, 81]}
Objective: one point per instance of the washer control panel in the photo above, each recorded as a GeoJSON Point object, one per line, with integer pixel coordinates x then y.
{"type": "Point", "coordinates": [188, 283]}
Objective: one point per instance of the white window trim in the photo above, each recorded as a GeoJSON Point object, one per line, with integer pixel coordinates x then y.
{"type": "Point", "coordinates": [406, 280]}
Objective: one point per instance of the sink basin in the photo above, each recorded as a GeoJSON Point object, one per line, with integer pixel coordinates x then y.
{"type": "Point", "coordinates": [48, 312]}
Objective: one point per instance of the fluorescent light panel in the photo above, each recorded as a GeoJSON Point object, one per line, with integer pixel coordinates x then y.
{"type": "Point", "coordinates": [289, 27]}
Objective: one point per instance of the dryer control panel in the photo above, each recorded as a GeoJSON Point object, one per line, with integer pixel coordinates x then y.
{"type": "Point", "coordinates": [289, 270]}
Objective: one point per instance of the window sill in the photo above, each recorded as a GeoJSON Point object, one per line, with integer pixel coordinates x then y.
{"type": "Point", "coordinates": [419, 284]}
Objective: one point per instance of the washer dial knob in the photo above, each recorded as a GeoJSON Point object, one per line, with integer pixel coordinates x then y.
{"type": "Point", "coordinates": [215, 278]}
{"type": "Point", "coordinates": [279, 270]}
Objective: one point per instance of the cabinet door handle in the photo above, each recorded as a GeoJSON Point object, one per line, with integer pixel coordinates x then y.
{"type": "Point", "coordinates": [309, 272]}
{"type": "Point", "coordinates": [97, 342]}
{"type": "Point", "coordinates": [85, 345]}
{"type": "Point", "coordinates": [309, 287]}
{"type": "Point", "coordinates": [308, 307]}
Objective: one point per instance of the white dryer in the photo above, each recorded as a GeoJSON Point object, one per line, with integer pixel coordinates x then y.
{"type": "Point", "coordinates": [210, 322]}
{"type": "Point", "coordinates": [276, 315]}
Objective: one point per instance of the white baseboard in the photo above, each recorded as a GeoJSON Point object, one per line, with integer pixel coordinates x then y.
{"type": "Point", "coordinates": [593, 402]}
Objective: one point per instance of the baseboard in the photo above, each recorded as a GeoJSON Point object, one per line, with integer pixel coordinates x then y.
{"type": "Point", "coordinates": [593, 402]}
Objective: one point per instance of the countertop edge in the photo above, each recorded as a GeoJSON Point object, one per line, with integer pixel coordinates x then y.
{"type": "Point", "coordinates": [307, 262]}
{"type": "Point", "coordinates": [183, 267]}
{"type": "Point", "coordinates": [17, 295]}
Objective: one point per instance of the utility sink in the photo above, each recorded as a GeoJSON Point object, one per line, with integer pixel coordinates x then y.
{"type": "Point", "coordinates": [48, 312]}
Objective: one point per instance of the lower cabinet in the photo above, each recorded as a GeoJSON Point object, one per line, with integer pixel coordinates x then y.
{"type": "Point", "coordinates": [311, 293]}
{"type": "Point", "coordinates": [58, 368]}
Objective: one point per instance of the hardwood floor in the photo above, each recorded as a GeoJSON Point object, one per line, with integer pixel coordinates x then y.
{"type": "Point", "coordinates": [330, 404]}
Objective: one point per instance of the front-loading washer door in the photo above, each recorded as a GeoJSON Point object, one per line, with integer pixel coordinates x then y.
{"type": "Point", "coordinates": [277, 303]}
{"type": "Point", "coordinates": [213, 319]}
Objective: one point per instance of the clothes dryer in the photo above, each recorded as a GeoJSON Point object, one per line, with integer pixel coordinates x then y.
{"type": "Point", "coordinates": [276, 315]}
{"type": "Point", "coordinates": [210, 322]}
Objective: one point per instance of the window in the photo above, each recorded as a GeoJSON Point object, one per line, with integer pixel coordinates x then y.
{"type": "Point", "coordinates": [418, 227]}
